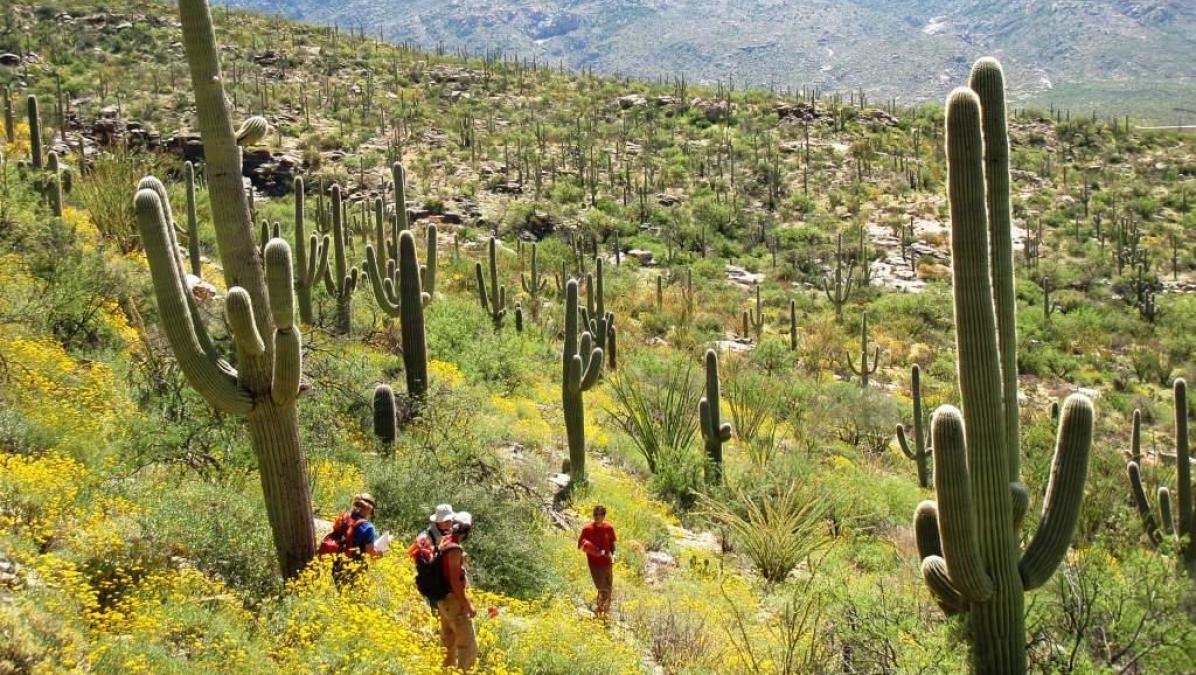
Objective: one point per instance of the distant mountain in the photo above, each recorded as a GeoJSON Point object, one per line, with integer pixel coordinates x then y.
{"type": "Point", "coordinates": [1134, 56]}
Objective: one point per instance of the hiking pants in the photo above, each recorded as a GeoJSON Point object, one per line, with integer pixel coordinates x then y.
{"type": "Point", "coordinates": [604, 581]}
{"type": "Point", "coordinates": [456, 634]}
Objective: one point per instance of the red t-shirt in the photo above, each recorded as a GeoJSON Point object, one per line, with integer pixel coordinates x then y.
{"type": "Point", "coordinates": [597, 538]}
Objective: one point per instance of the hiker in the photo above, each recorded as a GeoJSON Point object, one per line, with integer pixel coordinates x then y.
{"type": "Point", "coordinates": [455, 609]}
{"type": "Point", "coordinates": [597, 540]}
{"type": "Point", "coordinates": [352, 538]}
{"type": "Point", "coordinates": [427, 543]}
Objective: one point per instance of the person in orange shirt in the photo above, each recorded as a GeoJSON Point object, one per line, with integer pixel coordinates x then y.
{"type": "Point", "coordinates": [597, 540]}
{"type": "Point", "coordinates": [455, 610]}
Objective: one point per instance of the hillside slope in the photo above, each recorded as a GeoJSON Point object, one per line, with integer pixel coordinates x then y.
{"type": "Point", "coordinates": [1118, 55]}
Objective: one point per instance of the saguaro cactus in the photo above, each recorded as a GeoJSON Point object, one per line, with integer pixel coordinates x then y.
{"type": "Point", "coordinates": [968, 540]}
{"type": "Point", "coordinates": [494, 302]}
{"type": "Point", "coordinates": [192, 221]}
{"type": "Point", "coordinates": [792, 325]}
{"type": "Point", "coordinates": [385, 423]}
{"type": "Point", "coordinates": [756, 317]}
{"type": "Point", "coordinates": [714, 432]}
{"type": "Point", "coordinates": [534, 285]}
{"type": "Point", "coordinates": [311, 253]}
{"type": "Point", "coordinates": [920, 453]}
{"type": "Point", "coordinates": [839, 291]}
{"type": "Point", "coordinates": [10, 125]}
{"type": "Point", "coordinates": [864, 370]}
{"type": "Point", "coordinates": [35, 133]}
{"type": "Point", "coordinates": [1185, 534]}
{"type": "Point", "coordinates": [53, 184]}
{"type": "Point", "coordinates": [340, 280]}
{"type": "Point", "coordinates": [581, 365]}
{"type": "Point", "coordinates": [266, 384]}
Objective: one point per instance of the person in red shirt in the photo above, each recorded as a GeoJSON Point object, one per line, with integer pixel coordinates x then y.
{"type": "Point", "coordinates": [597, 540]}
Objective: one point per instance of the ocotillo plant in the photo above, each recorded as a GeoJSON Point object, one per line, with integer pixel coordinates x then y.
{"type": "Point", "coordinates": [534, 285]}
{"type": "Point", "coordinates": [385, 423]}
{"type": "Point", "coordinates": [864, 370]}
{"type": "Point", "coordinates": [968, 540]}
{"type": "Point", "coordinates": [839, 290]}
{"type": "Point", "coordinates": [311, 254]}
{"type": "Point", "coordinates": [494, 301]}
{"type": "Point", "coordinates": [714, 431]}
{"type": "Point", "coordinates": [1185, 534]}
{"type": "Point", "coordinates": [581, 366]}
{"type": "Point", "coordinates": [35, 133]}
{"type": "Point", "coordinates": [266, 384]}
{"type": "Point", "coordinates": [339, 279]}
{"type": "Point", "coordinates": [920, 453]}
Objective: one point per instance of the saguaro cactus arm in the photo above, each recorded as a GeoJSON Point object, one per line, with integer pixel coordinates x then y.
{"type": "Point", "coordinates": [215, 380]}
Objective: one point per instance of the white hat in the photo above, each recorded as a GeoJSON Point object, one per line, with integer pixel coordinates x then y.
{"type": "Point", "coordinates": [463, 518]}
{"type": "Point", "coordinates": [443, 512]}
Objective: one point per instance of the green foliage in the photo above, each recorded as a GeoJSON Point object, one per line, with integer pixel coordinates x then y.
{"type": "Point", "coordinates": [655, 402]}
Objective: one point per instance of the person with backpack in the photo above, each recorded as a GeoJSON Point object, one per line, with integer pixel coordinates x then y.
{"type": "Point", "coordinates": [597, 540]}
{"type": "Point", "coordinates": [353, 537]}
{"type": "Point", "coordinates": [441, 578]}
{"type": "Point", "coordinates": [427, 543]}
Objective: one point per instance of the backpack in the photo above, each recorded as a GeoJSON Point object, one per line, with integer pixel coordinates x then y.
{"type": "Point", "coordinates": [340, 539]}
{"type": "Point", "coordinates": [430, 579]}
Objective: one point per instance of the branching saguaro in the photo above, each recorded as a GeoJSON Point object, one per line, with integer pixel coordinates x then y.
{"type": "Point", "coordinates": [265, 386]}
{"type": "Point", "coordinates": [920, 451]}
{"type": "Point", "coordinates": [968, 540]}
{"type": "Point", "coordinates": [581, 365]}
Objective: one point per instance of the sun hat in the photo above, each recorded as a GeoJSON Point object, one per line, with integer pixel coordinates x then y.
{"type": "Point", "coordinates": [443, 512]}
{"type": "Point", "coordinates": [463, 518]}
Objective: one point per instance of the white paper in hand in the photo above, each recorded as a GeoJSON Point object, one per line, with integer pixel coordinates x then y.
{"type": "Point", "coordinates": [382, 544]}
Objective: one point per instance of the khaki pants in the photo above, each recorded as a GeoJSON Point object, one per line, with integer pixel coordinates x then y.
{"type": "Point", "coordinates": [456, 634]}
{"type": "Point", "coordinates": [604, 581]}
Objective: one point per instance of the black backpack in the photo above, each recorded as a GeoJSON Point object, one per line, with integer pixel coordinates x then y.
{"type": "Point", "coordinates": [430, 578]}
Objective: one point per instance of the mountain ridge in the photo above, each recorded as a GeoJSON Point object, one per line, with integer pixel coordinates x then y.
{"type": "Point", "coordinates": [1117, 56]}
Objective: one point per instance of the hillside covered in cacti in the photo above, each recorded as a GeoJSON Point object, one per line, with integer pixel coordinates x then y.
{"type": "Point", "coordinates": [864, 388]}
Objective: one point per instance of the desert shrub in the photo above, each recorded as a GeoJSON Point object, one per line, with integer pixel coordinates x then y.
{"type": "Point", "coordinates": [654, 405]}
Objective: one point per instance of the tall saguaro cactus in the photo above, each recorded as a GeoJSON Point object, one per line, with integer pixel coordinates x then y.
{"type": "Point", "coordinates": [36, 157]}
{"type": "Point", "coordinates": [714, 431]}
{"type": "Point", "coordinates": [534, 285]}
{"type": "Point", "coordinates": [919, 453]}
{"type": "Point", "coordinates": [581, 365]}
{"type": "Point", "coordinates": [340, 280]}
{"type": "Point", "coordinates": [839, 290]}
{"type": "Point", "coordinates": [265, 386]}
{"type": "Point", "coordinates": [1185, 532]}
{"type": "Point", "coordinates": [968, 539]}
{"type": "Point", "coordinates": [10, 125]}
{"type": "Point", "coordinates": [864, 370]}
{"type": "Point", "coordinates": [494, 301]}
{"type": "Point", "coordinates": [311, 254]}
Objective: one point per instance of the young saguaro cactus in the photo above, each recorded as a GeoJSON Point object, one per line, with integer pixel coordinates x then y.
{"type": "Point", "coordinates": [193, 256]}
{"type": "Point", "coordinates": [10, 125]}
{"type": "Point", "coordinates": [919, 453]}
{"type": "Point", "coordinates": [792, 325]}
{"type": "Point", "coordinates": [755, 318]}
{"type": "Point", "coordinates": [53, 184]}
{"type": "Point", "coordinates": [385, 422]}
{"type": "Point", "coordinates": [495, 301]}
{"type": "Point", "coordinates": [581, 365]}
{"type": "Point", "coordinates": [968, 539]}
{"type": "Point", "coordinates": [714, 432]}
{"type": "Point", "coordinates": [265, 386]}
{"type": "Point", "coordinates": [1185, 534]}
{"type": "Point", "coordinates": [36, 157]}
{"type": "Point", "coordinates": [864, 370]}
{"type": "Point", "coordinates": [340, 280]}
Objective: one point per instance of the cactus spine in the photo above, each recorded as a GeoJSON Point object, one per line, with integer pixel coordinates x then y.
{"type": "Point", "coordinates": [266, 384]}
{"type": "Point", "coordinates": [973, 564]}
{"type": "Point", "coordinates": [581, 365]}
{"type": "Point", "coordinates": [864, 370]}
{"type": "Point", "coordinates": [494, 302]}
{"type": "Point", "coordinates": [714, 432]}
{"type": "Point", "coordinates": [1185, 534]}
{"type": "Point", "coordinates": [919, 453]}
{"type": "Point", "coordinates": [35, 133]}
{"type": "Point", "coordinates": [339, 279]}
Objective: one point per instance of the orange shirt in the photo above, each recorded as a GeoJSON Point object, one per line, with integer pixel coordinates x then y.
{"type": "Point", "coordinates": [597, 538]}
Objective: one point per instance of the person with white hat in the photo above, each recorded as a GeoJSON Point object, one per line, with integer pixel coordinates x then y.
{"type": "Point", "coordinates": [455, 610]}
{"type": "Point", "coordinates": [427, 543]}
